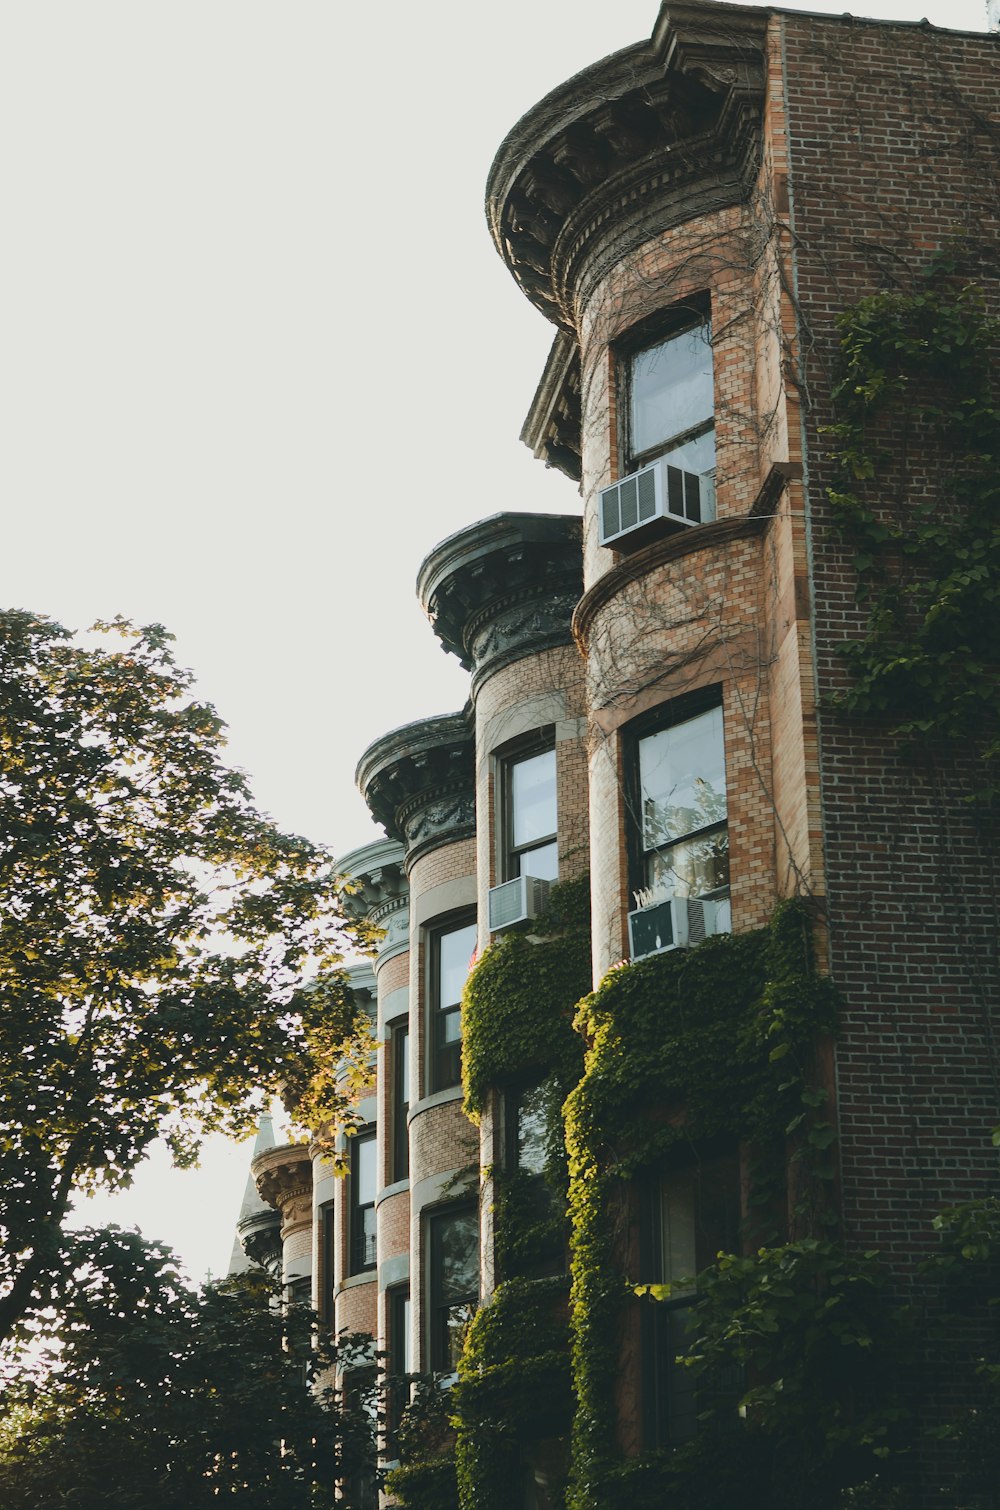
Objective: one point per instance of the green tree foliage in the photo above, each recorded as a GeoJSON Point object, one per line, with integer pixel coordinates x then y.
{"type": "Point", "coordinates": [168, 958]}
{"type": "Point", "coordinates": [151, 1395]}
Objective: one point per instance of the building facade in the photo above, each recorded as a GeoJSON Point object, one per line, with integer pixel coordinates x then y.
{"type": "Point", "coordinates": [719, 222]}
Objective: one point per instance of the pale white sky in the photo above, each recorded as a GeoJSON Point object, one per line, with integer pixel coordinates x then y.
{"type": "Point", "coordinates": [257, 355]}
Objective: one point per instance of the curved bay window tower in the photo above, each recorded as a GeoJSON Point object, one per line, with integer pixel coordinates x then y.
{"type": "Point", "coordinates": [419, 783]}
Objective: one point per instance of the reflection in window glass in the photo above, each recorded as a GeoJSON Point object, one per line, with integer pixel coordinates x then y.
{"type": "Point", "coordinates": [532, 1129]}
{"type": "Point", "coordinates": [672, 391]}
{"type": "Point", "coordinates": [456, 950]}
{"type": "Point", "coordinates": [362, 1208]}
{"type": "Point", "coordinates": [454, 1262]}
{"type": "Point", "coordinates": [533, 788]}
{"type": "Point", "coordinates": [452, 954]}
{"type": "Point", "coordinates": [682, 782]}
{"type": "Point", "coordinates": [530, 821]}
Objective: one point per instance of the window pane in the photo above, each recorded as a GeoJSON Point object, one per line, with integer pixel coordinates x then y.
{"type": "Point", "coordinates": [457, 1256]}
{"type": "Point", "coordinates": [533, 799]}
{"type": "Point", "coordinates": [532, 1129]}
{"type": "Point", "coordinates": [682, 776]}
{"type": "Point", "coordinates": [672, 389]}
{"type": "Point", "coordinates": [454, 1282]}
{"type": "Point", "coordinates": [451, 1027]}
{"type": "Point", "coordinates": [364, 1171]}
{"type": "Point", "coordinates": [542, 862]}
{"type": "Point", "coordinates": [455, 950]}
{"type": "Point", "coordinates": [405, 1339]}
{"type": "Point", "coordinates": [693, 868]}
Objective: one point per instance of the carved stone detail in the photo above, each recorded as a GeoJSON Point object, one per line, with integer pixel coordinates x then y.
{"type": "Point", "coordinates": [419, 782]}
{"type": "Point", "coordinates": [504, 588]}
{"type": "Point", "coordinates": [691, 96]}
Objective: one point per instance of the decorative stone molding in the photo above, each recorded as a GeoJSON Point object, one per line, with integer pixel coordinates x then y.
{"type": "Point", "coordinates": [380, 893]}
{"type": "Point", "coordinates": [284, 1178]}
{"type": "Point", "coordinates": [646, 139]}
{"type": "Point", "coordinates": [419, 782]}
{"type": "Point", "coordinates": [260, 1238]}
{"type": "Point", "coordinates": [551, 430]}
{"type": "Point", "coordinates": [361, 981]}
{"type": "Point", "coordinates": [503, 589]}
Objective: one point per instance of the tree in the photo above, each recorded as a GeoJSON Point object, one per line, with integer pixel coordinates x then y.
{"type": "Point", "coordinates": [168, 957]}
{"type": "Point", "coordinates": [151, 1395]}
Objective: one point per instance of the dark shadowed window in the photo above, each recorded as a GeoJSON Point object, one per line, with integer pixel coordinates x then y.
{"type": "Point", "coordinates": [399, 1054]}
{"type": "Point", "coordinates": [692, 1215]}
{"type": "Point", "coordinates": [362, 1208]}
{"type": "Point", "coordinates": [453, 1237]}
{"type": "Point", "coordinates": [452, 950]}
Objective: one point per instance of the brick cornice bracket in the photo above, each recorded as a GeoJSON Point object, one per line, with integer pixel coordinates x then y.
{"type": "Point", "coordinates": [503, 589]}
{"type": "Point", "coordinates": [651, 136]}
{"type": "Point", "coordinates": [419, 783]}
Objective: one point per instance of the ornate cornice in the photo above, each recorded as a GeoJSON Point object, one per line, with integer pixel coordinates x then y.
{"type": "Point", "coordinates": [551, 429]}
{"type": "Point", "coordinates": [260, 1238]}
{"type": "Point", "coordinates": [380, 892]}
{"type": "Point", "coordinates": [641, 141]}
{"type": "Point", "coordinates": [634, 568]}
{"type": "Point", "coordinates": [419, 783]}
{"type": "Point", "coordinates": [284, 1177]}
{"type": "Point", "coordinates": [504, 588]}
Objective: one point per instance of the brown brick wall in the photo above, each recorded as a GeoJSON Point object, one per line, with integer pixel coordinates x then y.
{"type": "Point", "coordinates": [893, 140]}
{"type": "Point", "coordinates": [441, 1139]}
{"type": "Point", "coordinates": [533, 692]}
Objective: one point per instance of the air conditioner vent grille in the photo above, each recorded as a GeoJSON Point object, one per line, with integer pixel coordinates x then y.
{"type": "Point", "coordinates": [516, 901]}
{"type": "Point", "coordinates": [659, 491]}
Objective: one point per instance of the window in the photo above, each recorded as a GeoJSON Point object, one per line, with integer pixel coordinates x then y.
{"type": "Point", "coordinates": [670, 408]}
{"type": "Point", "coordinates": [361, 1407]}
{"type": "Point", "coordinates": [527, 1129]}
{"type": "Point", "coordinates": [452, 950]}
{"type": "Point", "coordinates": [528, 1116]}
{"type": "Point", "coordinates": [399, 1052]}
{"type": "Point", "coordinates": [327, 1240]}
{"type": "Point", "coordinates": [400, 1359]}
{"type": "Point", "coordinates": [453, 1241]}
{"type": "Point", "coordinates": [362, 1218]}
{"type": "Point", "coordinates": [298, 1292]}
{"type": "Point", "coordinates": [682, 839]}
{"type": "Point", "coordinates": [692, 1215]}
{"type": "Point", "coordinates": [528, 814]}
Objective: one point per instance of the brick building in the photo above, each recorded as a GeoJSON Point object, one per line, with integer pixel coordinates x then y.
{"type": "Point", "coordinates": [657, 699]}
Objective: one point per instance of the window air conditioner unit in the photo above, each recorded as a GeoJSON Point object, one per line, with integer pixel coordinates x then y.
{"type": "Point", "coordinates": [657, 492]}
{"type": "Point", "coordinates": [517, 901]}
{"type": "Point", "coordinates": [675, 923]}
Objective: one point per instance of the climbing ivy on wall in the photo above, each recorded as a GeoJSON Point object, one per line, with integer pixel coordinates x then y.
{"type": "Point", "coordinates": [685, 1048]}
{"type": "Point", "coordinates": [916, 448]}
{"type": "Point", "coordinates": [517, 1010]}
